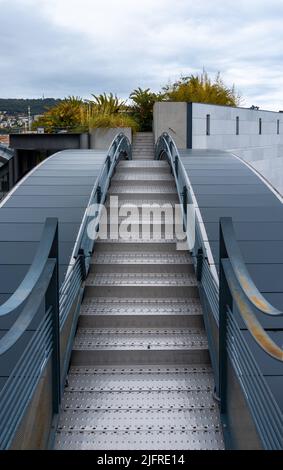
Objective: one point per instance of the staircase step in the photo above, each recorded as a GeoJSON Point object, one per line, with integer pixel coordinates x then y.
{"type": "Point", "coordinates": [132, 164]}
{"type": "Point", "coordinates": [156, 245]}
{"type": "Point", "coordinates": [134, 420]}
{"type": "Point", "coordinates": [139, 346]}
{"type": "Point", "coordinates": [137, 400]}
{"type": "Point", "coordinates": [145, 378]}
{"type": "Point", "coordinates": [141, 313]}
{"type": "Point", "coordinates": [142, 440]}
{"type": "Point", "coordinates": [134, 201]}
{"type": "Point", "coordinates": [139, 279]}
{"type": "Point", "coordinates": [142, 176]}
{"type": "Point", "coordinates": [141, 188]}
{"type": "Point", "coordinates": [138, 262]}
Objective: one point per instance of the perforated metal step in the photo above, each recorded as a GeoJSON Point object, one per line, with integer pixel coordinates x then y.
{"type": "Point", "coordinates": [141, 258]}
{"type": "Point", "coordinates": [150, 440]}
{"type": "Point", "coordinates": [147, 201]}
{"type": "Point", "coordinates": [142, 176]}
{"type": "Point", "coordinates": [145, 279]}
{"type": "Point", "coordinates": [169, 306]}
{"type": "Point", "coordinates": [93, 338]}
{"type": "Point", "coordinates": [142, 188]}
{"type": "Point", "coordinates": [145, 378]}
{"type": "Point", "coordinates": [141, 313]}
{"type": "Point", "coordinates": [146, 164]}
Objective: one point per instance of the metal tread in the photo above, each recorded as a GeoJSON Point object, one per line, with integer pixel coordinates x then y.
{"type": "Point", "coordinates": [146, 164]}
{"type": "Point", "coordinates": [124, 306]}
{"type": "Point", "coordinates": [139, 400]}
{"type": "Point", "coordinates": [139, 338]}
{"type": "Point", "coordinates": [146, 201]}
{"type": "Point", "coordinates": [142, 176]}
{"type": "Point", "coordinates": [138, 239]}
{"type": "Point", "coordinates": [142, 188]}
{"type": "Point", "coordinates": [138, 379]}
{"type": "Point", "coordinates": [141, 279]}
{"type": "Point", "coordinates": [135, 420]}
{"type": "Point", "coordinates": [143, 440]}
{"type": "Point", "coordinates": [141, 258]}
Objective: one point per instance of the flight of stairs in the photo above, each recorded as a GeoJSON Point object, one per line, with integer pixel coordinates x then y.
{"type": "Point", "coordinates": [140, 375]}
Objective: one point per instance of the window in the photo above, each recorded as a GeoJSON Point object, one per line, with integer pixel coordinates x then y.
{"type": "Point", "coordinates": [237, 125]}
{"type": "Point", "coordinates": [260, 126]}
{"type": "Point", "coordinates": [278, 126]}
{"type": "Point", "coordinates": [208, 124]}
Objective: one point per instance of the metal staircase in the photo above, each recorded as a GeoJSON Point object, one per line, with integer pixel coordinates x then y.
{"type": "Point", "coordinates": [140, 375]}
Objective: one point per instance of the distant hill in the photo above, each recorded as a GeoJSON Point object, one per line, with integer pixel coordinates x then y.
{"type": "Point", "coordinates": [20, 106]}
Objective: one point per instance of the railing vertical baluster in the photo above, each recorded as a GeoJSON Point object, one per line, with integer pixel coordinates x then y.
{"type": "Point", "coordinates": [176, 166]}
{"type": "Point", "coordinates": [225, 300]}
{"type": "Point", "coordinates": [199, 264]}
{"type": "Point", "coordinates": [52, 299]}
{"type": "Point", "coordinates": [82, 264]}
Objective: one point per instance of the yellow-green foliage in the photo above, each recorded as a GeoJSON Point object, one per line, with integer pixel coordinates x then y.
{"type": "Point", "coordinates": [201, 89]}
{"type": "Point", "coordinates": [76, 115]}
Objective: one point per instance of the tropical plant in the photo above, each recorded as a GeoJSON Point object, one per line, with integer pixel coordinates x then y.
{"type": "Point", "coordinates": [142, 109]}
{"type": "Point", "coordinates": [65, 115]}
{"type": "Point", "coordinates": [202, 89]}
{"type": "Point", "coordinates": [107, 104]}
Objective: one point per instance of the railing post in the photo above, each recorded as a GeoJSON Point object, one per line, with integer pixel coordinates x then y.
{"type": "Point", "coordinates": [108, 163]}
{"type": "Point", "coordinates": [199, 264]}
{"type": "Point", "coordinates": [185, 202]}
{"type": "Point", "coordinates": [225, 301]}
{"type": "Point", "coordinates": [99, 194]}
{"type": "Point", "coordinates": [52, 300]}
{"type": "Point", "coordinates": [82, 263]}
{"type": "Point", "coordinates": [176, 166]}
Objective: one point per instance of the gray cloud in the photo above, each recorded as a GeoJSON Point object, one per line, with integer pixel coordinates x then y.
{"type": "Point", "coordinates": [60, 48]}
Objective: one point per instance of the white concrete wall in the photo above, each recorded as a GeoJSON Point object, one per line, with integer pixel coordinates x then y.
{"type": "Point", "coordinates": [264, 152]}
{"type": "Point", "coordinates": [101, 139]}
{"type": "Point", "coordinates": [223, 128]}
{"type": "Point", "coordinates": [171, 118]}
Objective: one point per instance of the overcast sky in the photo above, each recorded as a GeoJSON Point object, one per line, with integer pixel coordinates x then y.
{"type": "Point", "coordinates": [78, 47]}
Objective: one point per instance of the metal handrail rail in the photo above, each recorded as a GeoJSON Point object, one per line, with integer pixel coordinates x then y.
{"type": "Point", "coordinates": [114, 149]}
{"type": "Point", "coordinates": [168, 141]}
{"type": "Point", "coordinates": [35, 271]}
{"type": "Point", "coordinates": [244, 292]}
{"type": "Point", "coordinates": [243, 277]}
{"type": "Point", "coordinates": [30, 310]}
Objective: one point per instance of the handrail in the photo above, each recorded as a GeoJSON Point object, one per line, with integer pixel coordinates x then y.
{"type": "Point", "coordinates": [30, 310]}
{"type": "Point", "coordinates": [243, 290]}
{"type": "Point", "coordinates": [35, 271]}
{"type": "Point", "coordinates": [115, 149]}
{"type": "Point", "coordinates": [233, 252]}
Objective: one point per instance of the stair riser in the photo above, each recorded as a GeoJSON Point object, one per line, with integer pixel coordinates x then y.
{"type": "Point", "coordinates": [141, 268]}
{"type": "Point", "coordinates": [139, 291]}
{"type": "Point", "coordinates": [141, 321]}
{"type": "Point", "coordinates": [138, 357]}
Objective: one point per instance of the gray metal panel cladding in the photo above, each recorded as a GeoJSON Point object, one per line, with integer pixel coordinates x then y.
{"type": "Point", "coordinates": [60, 187]}
{"type": "Point", "coordinates": [225, 187]}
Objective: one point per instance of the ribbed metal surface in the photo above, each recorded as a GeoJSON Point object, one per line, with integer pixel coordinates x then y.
{"type": "Point", "coordinates": [171, 306]}
{"type": "Point", "coordinates": [91, 338]}
{"type": "Point", "coordinates": [141, 375]}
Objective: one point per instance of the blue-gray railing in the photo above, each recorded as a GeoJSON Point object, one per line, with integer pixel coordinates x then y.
{"type": "Point", "coordinates": [41, 311]}
{"type": "Point", "coordinates": [40, 286]}
{"type": "Point", "coordinates": [206, 273]}
{"type": "Point", "coordinates": [239, 293]}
